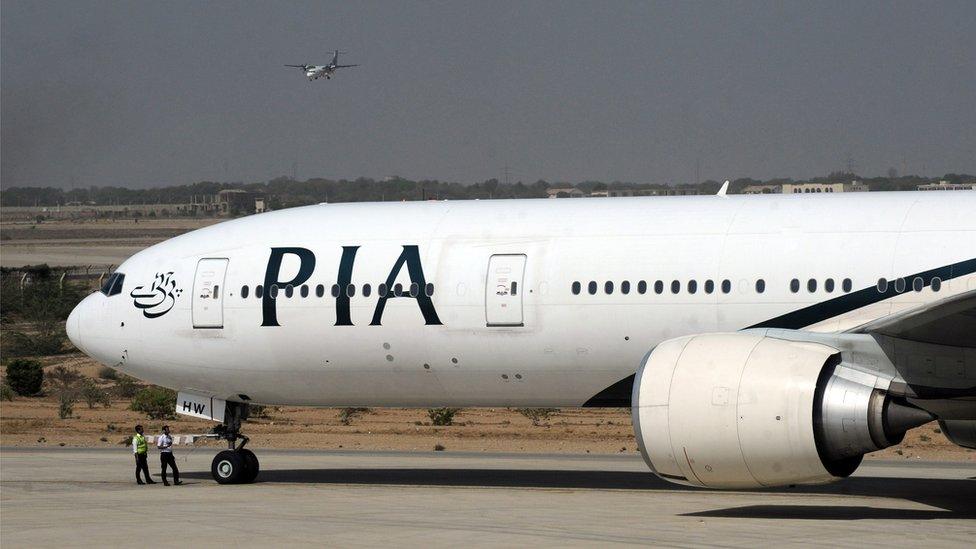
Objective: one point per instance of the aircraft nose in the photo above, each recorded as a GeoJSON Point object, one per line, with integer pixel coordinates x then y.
{"type": "Point", "coordinates": [73, 325]}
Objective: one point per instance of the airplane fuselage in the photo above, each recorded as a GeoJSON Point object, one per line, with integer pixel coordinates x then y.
{"type": "Point", "coordinates": [508, 302]}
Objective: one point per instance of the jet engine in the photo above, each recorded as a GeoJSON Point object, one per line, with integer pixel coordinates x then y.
{"type": "Point", "coordinates": [745, 410]}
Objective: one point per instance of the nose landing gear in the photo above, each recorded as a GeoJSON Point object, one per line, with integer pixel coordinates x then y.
{"type": "Point", "coordinates": [236, 465]}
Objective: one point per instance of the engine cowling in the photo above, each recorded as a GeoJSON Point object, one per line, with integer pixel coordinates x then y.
{"type": "Point", "coordinates": [744, 410]}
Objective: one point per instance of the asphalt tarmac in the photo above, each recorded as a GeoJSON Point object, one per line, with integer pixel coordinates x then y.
{"type": "Point", "coordinates": [64, 497]}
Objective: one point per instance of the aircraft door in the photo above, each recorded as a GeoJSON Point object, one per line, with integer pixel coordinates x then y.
{"type": "Point", "coordinates": [503, 291]}
{"type": "Point", "coordinates": [208, 293]}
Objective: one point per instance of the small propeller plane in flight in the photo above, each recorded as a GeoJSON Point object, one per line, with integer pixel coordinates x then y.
{"type": "Point", "coordinates": [314, 72]}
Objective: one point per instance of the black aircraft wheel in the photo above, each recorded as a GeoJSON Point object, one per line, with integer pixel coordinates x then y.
{"type": "Point", "coordinates": [228, 467]}
{"type": "Point", "coordinates": [251, 466]}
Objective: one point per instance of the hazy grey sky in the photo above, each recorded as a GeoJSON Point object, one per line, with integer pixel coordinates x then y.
{"type": "Point", "coordinates": [152, 93]}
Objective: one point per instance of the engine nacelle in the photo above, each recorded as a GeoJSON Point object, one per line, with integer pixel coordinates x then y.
{"type": "Point", "coordinates": [744, 410]}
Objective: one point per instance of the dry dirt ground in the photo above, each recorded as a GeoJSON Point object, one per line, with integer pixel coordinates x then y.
{"type": "Point", "coordinates": [34, 422]}
{"type": "Point", "coordinates": [86, 242]}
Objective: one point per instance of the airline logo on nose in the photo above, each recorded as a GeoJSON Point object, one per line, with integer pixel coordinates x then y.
{"type": "Point", "coordinates": [159, 298]}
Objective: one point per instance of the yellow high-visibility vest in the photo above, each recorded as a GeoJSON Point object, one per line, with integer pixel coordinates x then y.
{"type": "Point", "coordinates": [141, 446]}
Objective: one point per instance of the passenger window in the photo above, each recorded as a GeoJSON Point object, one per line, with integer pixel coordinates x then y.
{"type": "Point", "coordinates": [936, 284]}
{"type": "Point", "coordinates": [577, 288]}
{"type": "Point", "coordinates": [319, 290]}
{"type": "Point", "coordinates": [381, 290]}
{"type": "Point", "coordinates": [659, 287]}
{"type": "Point", "coordinates": [415, 289]}
{"type": "Point", "coordinates": [918, 284]}
{"type": "Point", "coordinates": [367, 290]}
{"type": "Point", "coordinates": [899, 285]}
{"type": "Point", "coordinates": [795, 285]}
{"type": "Point", "coordinates": [760, 286]}
{"type": "Point", "coordinates": [398, 289]}
{"type": "Point", "coordinates": [726, 286]}
{"type": "Point", "coordinates": [675, 286]}
{"type": "Point", "coordinates": [709, 286]}
{"type": "Point", "coordinates": [829, 285]}
{"type": "Point", "coordinates": [812, 285]}
{"type": "Point", "coordinates": [591, 287]}
{"type": "Point", "coordinates": [259, 291]}
{"type": "Point", "coordinates": [244, 292]}
{"type": "Point", "coordinates": [216, 292]}
{"type": "Point", "coordinates": [692, 286]}
{"type": "Point", "coordinates": [625, 287]}
{"type": "Point", "coordinates": [429, 289]}
{"type": "Point", "coordinates": [882, 285]}
{"type": "Point", "coordinates": [335, 290]}
{"type": "Point", "coordinates": [304, 291]}
{"type": "Point", "coordinates": [273, 292]}
{"type": "Point", "coordinates": [847, 285]}
{"type": "Point", "coordinates": [350, 290]}
{"type": "Point", "coordinates": [608, 287]}
{"type": "Point", "coordinates": [642, 287]}
{"type": "Point", "coordinates": [289, 290]}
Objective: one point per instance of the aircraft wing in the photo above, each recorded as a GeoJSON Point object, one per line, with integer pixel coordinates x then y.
{"type": "Point", "coordinates": [345, 66]}
{"type": "Point", "coordinates": [950, 321]}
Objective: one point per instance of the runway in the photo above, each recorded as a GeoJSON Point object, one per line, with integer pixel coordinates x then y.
{"type": "Point", "coordinates": [87, 497]}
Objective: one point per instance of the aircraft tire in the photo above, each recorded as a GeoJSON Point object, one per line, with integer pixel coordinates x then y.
{"type": "Point", "coordinates": [228, 467]}
{"type": "Point", "coordinates": [251, 466]}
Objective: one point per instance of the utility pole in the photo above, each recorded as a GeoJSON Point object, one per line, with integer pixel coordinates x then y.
{"type": "Point", "coordinates": [508, 175]}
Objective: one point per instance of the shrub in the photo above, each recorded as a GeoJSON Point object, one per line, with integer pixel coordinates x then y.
{"type": "Point", "coordinates": [155, 402]}
{"type": "Point", "coordinates": [126, 387]}
{"type": "Point", "coordinates": [25, 376]}
{"type": "Point", "coordinates": [346, 415]}
{"type": "Point", "coordinates": [537, 414]}
{"type": "Point", "coordinates": [45, 338]}
{"type": "Point", "coordinates": [6, 393]}
{"type": "Point", "coordinates": [108, 373]}
{"type": "Point", "coordinates": [65, 384]}
{"type": "Point", "coordinates": [94, 395]}
{"type": "Point", "coordinates": [258, 411]}
{"type": "Point", "coordinates": [442, 416]}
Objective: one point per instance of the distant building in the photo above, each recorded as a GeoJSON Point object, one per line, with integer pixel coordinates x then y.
{"type": "Point", "coordinates": [225, 202]}
{"type": "Point", "coordinates": [946, 186]}
{"type": "Point", "coordinates": [852, 187]}
{"type": "Point", "coordinates": [614, 192]}
{"type": "Point", "coordinates": [672, 191]}
{"type": "Point", "coordinates": [565, 192]}
{"type": "Point", "coordinates": [762, 189]}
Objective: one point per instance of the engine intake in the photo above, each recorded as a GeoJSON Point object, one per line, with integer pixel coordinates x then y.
{"type": "Point", "coordinates": [744, 410]}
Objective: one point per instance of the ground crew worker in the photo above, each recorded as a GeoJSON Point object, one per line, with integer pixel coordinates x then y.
{"type": "Point", "coordinates": [165, 445]}
{"type": "Point", "coordinates": [141, 451]}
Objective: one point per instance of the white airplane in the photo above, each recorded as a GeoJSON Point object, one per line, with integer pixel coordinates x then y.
{"type": "Point", "coordinates": [759, 340]}
{"type": "Point", "coordinates": [314, 72]}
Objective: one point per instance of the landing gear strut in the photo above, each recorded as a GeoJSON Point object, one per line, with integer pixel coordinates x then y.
{"type": "Point", "coordinates": [236, 464]}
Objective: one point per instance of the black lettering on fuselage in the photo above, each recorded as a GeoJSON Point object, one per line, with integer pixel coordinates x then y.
{"type": "Point", "coordinates": [411, 257]}
{"type": "Point", "coordinates": [344, 278]}
{"type": "Point", "coordinates": [269, 309]}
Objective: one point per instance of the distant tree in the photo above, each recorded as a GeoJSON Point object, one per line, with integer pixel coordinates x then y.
{"type": "Point", "coordinates": [65, 384]}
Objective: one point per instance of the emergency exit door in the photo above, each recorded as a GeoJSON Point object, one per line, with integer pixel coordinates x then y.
{"type": "Point", "coordinates": [208, 293]}
{"type": "Point", "coordinates": [503, 294]}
